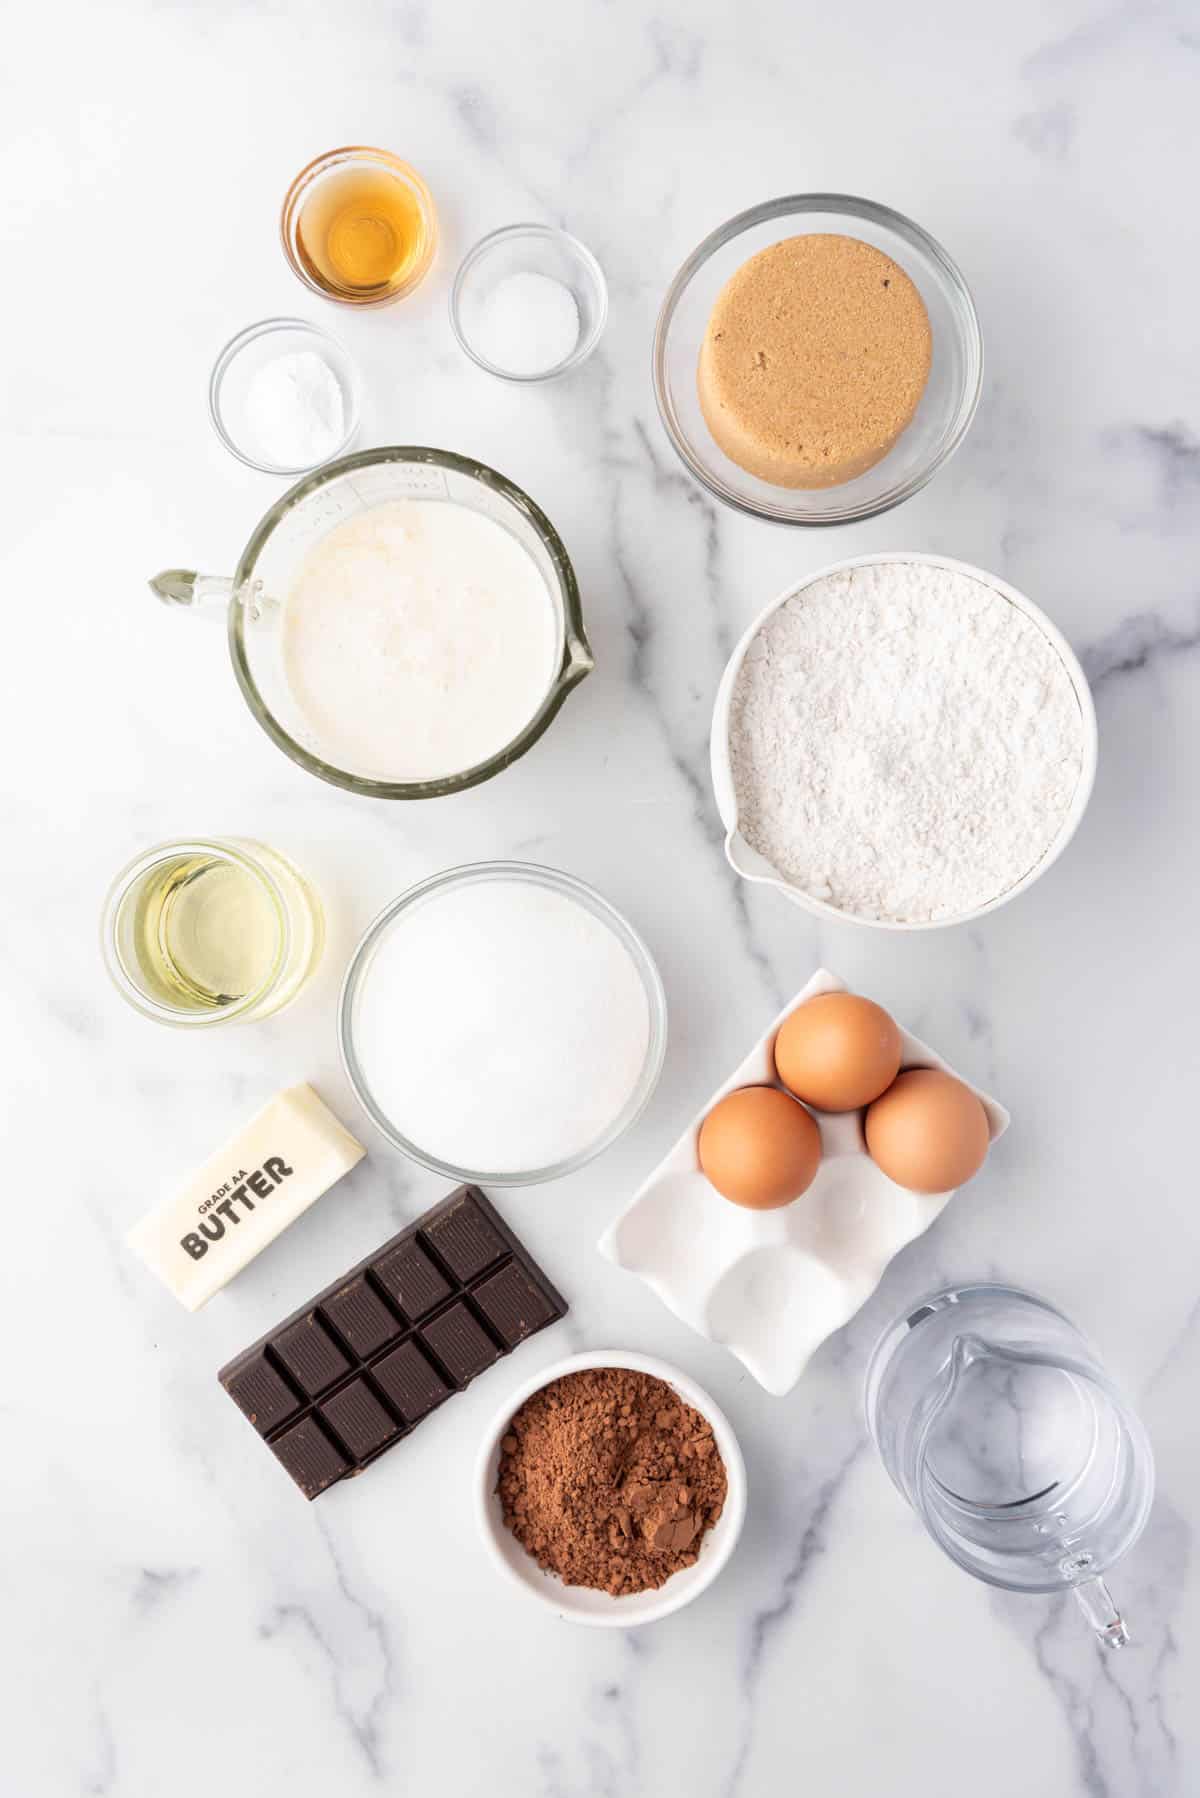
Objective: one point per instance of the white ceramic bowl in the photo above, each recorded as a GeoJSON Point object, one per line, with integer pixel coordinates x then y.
{"type": "Point", "coordinates": [754, 867]}
{"type": "Point", "coordinates": [580, 1604]}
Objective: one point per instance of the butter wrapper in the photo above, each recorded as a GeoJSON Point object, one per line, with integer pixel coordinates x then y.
{"type": "Point", "coordinates": [240, 1200]}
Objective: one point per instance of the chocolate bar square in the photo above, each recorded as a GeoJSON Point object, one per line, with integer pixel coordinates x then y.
{"type": "Point", "coordinates": [512, 1304]}
{"type": "Point", "coordinates": [460, 1343]}
{"type": "Point", "coordinates": [310, 1457]}
{"type": "Point", "coordinates": [409, 1276]}
{"type": "Point", "coordinates": [410, 1382]}
{"type": "Point", "coordinates": [463, 1237]}
{"type": "Point", "coordinates": [263, 1394]}
{"type": "Point", "coordinates": [309, 1352]}
{"type": "Point", "coordinates": [358, 1418]}
{"type": "Point", "coordinates": [360, 1317]}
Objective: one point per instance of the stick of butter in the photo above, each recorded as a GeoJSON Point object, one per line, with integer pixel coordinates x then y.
{"type": "Point", "coordinates": [241, 1199]}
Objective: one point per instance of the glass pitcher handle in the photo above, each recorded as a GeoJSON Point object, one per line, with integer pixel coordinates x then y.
{"type": "Point", "coordinates": [1096, 1602]}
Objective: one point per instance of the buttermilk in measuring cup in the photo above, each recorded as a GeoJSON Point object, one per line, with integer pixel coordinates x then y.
{"type": "Point", "coordinates": [419, 639]}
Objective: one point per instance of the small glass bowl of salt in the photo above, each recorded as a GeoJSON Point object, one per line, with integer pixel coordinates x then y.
{"type": "Point", "coordinates": [283, 397]}
{"type": "Point", "coordinates": [529, 303]}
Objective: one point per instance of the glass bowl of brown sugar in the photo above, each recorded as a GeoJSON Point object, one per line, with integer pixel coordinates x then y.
{"type": "Point", "coordinates": [817, 359]}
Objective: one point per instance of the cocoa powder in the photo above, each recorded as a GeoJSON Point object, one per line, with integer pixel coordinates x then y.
{"type": "Point", "coordinates": [609, 1480]}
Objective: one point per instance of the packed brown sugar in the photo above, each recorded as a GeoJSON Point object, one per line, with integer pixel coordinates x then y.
{"type": "Point", "coordinates": [609, 1480]}
{"type": "Point", "coordinates": [814, 360]}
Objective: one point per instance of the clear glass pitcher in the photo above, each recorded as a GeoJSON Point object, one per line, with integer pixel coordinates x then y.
{"type": "Point", "coordinates": [1001, 1428]}
{"type": "Point", "coordinates": [255, 595]}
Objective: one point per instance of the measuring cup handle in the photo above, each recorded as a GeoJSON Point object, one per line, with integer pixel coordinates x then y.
{"type": "Point", "coordinates": [1096, 1602]}
{"type": "Point", "coordinates": [198, 592]}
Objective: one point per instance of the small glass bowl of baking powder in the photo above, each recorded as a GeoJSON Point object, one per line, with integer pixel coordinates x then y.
{"type": "Point", "coordinates": [284, 397]}
{"type": "Point", "coordinates": [529, 303]}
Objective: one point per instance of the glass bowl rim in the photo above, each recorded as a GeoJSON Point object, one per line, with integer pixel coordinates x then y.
{"type": "Point", "coordinates": [483, 248]}
{"type": "Point", "coordinates": [852, 207]}
{"type": "Point", "coordinates": [349, 380]}
{"type": "Point", "coordinates": [532, 874]}
{"type": "Point", "coordinates": [575, 662]}
{"type": "Point", "coordinates": [322, 165]}
{"type": "Point", "coordinates": [238, 851]}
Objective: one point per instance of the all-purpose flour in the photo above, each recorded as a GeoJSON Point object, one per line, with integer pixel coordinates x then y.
{"type": "Point", "coordinates": [905, 742]}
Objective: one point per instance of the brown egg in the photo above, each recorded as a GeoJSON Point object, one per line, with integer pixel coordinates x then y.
{"type": "Point", "coordinates": [837, 1051]}
{"type": "Point", "coordinates": [759, 1147]}
{"type": "Point", "coordinates": [928, 1132]}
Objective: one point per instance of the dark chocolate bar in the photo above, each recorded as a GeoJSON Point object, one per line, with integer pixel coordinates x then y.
{"type": "Point", "coordinates": [345, 1378]}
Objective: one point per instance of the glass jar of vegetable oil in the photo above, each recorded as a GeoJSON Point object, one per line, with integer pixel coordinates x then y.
{"type": "Point", "coordinates": [209, 930]}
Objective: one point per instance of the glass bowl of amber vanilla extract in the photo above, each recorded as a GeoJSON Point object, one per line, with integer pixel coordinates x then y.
{"type": "Point", "coordinates": [359, 226]}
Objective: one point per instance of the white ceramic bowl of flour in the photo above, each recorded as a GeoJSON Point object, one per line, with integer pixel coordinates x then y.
{"type": "Point", "coordinates": [950, 773]}
{"type": "Point", "coordinates": [502, 1023]}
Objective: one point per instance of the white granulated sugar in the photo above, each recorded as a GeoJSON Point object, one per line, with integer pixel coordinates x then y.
{"type": "Point", "coordinates": [530, 324]}
{"type": "Point", "coordinates": [905, 742]}
{"type": "Point", "coordinates": [503, 1027]}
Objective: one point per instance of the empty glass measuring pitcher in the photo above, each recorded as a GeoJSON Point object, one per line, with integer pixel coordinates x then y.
{"type": "Point", "coordinates": [1004, 1432]}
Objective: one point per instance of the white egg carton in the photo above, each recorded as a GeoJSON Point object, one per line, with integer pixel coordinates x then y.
{"type": "Point", "coordinates": [772, 1285]}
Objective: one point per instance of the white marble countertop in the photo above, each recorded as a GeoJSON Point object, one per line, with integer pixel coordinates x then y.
{"type": "Point", "coordinates": [176, 1621]}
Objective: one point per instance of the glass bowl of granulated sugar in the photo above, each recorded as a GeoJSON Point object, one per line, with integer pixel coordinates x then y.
{"type": "Point", "coordinates": [902, 741]}
{"type": "Point", "coordinates": [502, 1023]}
{"type": "Point", "coordinates": [529, 303]}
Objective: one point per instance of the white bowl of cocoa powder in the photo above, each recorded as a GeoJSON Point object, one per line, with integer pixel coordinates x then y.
{"type": "Point", "coordinates": [611, 1488]}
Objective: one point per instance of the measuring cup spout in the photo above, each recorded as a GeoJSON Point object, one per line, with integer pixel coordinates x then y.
{"type": "Point", "coordinates": [1096, 1602]}
{"type": "Point", "coordinates": [579, 660]}
{"type": "Point", "coordinates": [967, 1349]}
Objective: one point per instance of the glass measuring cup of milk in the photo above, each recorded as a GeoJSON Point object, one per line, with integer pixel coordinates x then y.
{"type": "Point", "coordinates": [1001, 1428]}
{"type": "Point", "coordinates": [500, 528]}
